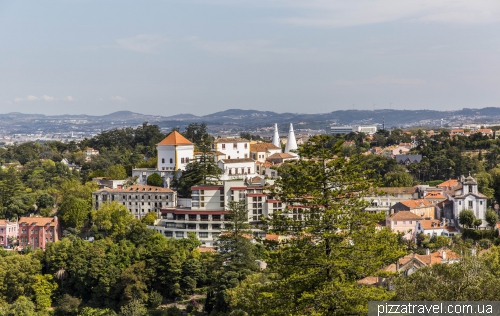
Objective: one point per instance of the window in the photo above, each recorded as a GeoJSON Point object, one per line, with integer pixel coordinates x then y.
{"type": "Point", "coordinates": [171, 160]}
{"type": "Point", "coordinates": [470, 204]}
{"type": "Point", "coordinates": [246, 145]}
{"type": "Point", "coordinates": [235, 146]}
{"type": "Point", "coordinates": [480, 202]}
{"type": "Point", "coordinates": [404, 222]}
{"type": "Point", "coordinates": [168, 234]}
{"type": "Point", "coordinates": [182, 160]}
{"type": "Point", "coordinates": [411, 222]}
{"type": "Point", "coordinates": [179, 234]}
{"type": "Point", "coordinates": [162, 160]}
{"type": "Point", "coordinates": [221, 204]}
{"type": "Point", "coordinates": [248, 169]}
{"type": "Point", "coordinates": [203, 235]}
{"type": "Point", "coordinates": [223, 146]}
{"type": "Point", "coordinates": [187, 160]}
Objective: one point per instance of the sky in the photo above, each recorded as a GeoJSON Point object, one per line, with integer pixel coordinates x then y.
{"type": "Point", "coordinates": [165, 57]}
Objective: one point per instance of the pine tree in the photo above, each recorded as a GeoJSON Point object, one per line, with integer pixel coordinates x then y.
{"type": "Point", "coordinates": [332, 241]}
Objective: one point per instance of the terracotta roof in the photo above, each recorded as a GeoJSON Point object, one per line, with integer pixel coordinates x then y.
{"type": "Point", "coordinates": [369, 280]}
{"type": "Point", "coordinates": [175, 138]}
{"type": "Point", "coordinates": [4, 222]}
{"type": "Point", "coordinates": [232, 140]}
{"type": "Point", "coordinates": [264, 164]}
{"type": "Point", "coordinates": [40, 221]}
{"type": "Point", "coordinates": [484, 130]}
{"type": "Point", "coordinates": [263, 147]}
{"type": "Point", "coordinates": [404, 215]}
{"type": "Point", "coordinates": [448, 183]}
{"type": "Point", "coordinates": [206, 249]}
{"type": "Point", "coordinates": [272, 237]}
{"type": "Point", "coordinates": [137, 188]}
{"type": "Point", "coordinates": [434, 195]}
{"type": "Point", "coordinates": [427, 224]}
{"type": "Point", "coordinates": [416, 203]}
{"type": "Point", "coordinates": [281, 156]}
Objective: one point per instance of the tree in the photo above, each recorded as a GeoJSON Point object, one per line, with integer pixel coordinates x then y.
{"type": "Point", "coordinates": [116, 172]}
{"type": "Point", "coordinates": [491, 218]}
{"type": "Point", "coordinates": [134, 308]}
{"type": "Point", "coordinates": [74, 211]}
{"type": "Point", "coordinates": [398, 179]}
{"type": "Point", "coordinates": [333, 242]}
{"type": "Point", "coordinates": [44, 288]}
{"type": "Point", "coordinates": [155, 180]}
{"type": "Point", "coordinates": [22, 307]}
{"type": "Point", "coordinates": [204, 170]}
{"type": "Point", "coordinates": [114, 218]}
{"type": "Point", "coordinates": [150, 218]}
{"type": "Point", "coordinates": [466, 218]}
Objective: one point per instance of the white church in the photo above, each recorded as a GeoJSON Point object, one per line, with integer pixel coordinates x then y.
{"type": "Point", "coordinates": [233, 156]}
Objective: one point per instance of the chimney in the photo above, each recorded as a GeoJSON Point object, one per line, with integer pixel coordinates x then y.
{"type": "Point", "coordinates": [444, 255]}
{"type": "Point", "coordinates": [427, 251]}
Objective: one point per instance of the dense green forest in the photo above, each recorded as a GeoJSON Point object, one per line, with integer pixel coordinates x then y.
{"type": "Point", "coordinates": [131, 270]}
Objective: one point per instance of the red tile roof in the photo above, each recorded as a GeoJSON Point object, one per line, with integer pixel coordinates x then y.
{"type": "Point", "coordinates": [175, 138]}
{"type": "Point", "coordinates": [416, 203]}
{"type": "Point", "coordinates": [449, 183]}
{"type": "Point", "coordinates": [404, 215]}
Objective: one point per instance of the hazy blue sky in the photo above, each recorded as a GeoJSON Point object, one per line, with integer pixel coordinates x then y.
{"type": "Point", "coordinates": [169, 57]}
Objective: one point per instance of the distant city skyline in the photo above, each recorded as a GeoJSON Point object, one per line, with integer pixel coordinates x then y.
{"type": "Point", "coordinates": [204, 56]}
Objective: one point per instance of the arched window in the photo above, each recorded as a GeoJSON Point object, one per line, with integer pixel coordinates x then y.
{"type": "Point", "coordinates": [170, 160]}
{"type": "Point", "coordinates": [162, 160]}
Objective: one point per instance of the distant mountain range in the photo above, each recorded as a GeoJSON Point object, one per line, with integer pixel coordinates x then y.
{"type": "Point", "coordinates": [245, 120]}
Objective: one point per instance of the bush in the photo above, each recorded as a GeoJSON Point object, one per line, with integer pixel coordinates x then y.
{"type": "Point", "coordinates": [155, 180]}
{"type": "Point", "coordinates": [155, 299]}
{"type": "Point", "coordinates": [67, 305]}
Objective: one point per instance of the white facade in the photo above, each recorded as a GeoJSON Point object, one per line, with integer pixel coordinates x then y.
{"type": "Point", "coordinates": [465, 196]}
{"type": "Point", "coordinates": [340, 129]}
{"type": "Point", "coordinates": [233, 148]}
{"type": "Point", "coordinates": [237, 168]}
{"type": "Point", "coordinates": [172, 158]}
{"type": "Point", "coordinates": [206, 217]}
{"type": "Point", "coordinates": [139, 199]}
{"type": "Point", "coordinates": [367, 129]}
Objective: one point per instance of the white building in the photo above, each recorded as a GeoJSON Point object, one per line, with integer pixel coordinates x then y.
{"type": "Point", "coordinates": [261, 151]}
{"type": "Point", "coordinates": [139, 199]}
{"type": "Point", "coordinates": [233, 148]}
{"type": "Point", "coordinates": [340, 129]}
{"type": "Point", "coordinates": [346, 129]}
{"type": "Point", "coordinates": [367, 129]}
{"type": "Point", "coordinates": [465, 196]}
{"type": "Point", "coordinates": [174, 152]}
{"type": "Point", "coordinates": [207, 215]}
{"type": "Point", "coordinates": [237, 168]}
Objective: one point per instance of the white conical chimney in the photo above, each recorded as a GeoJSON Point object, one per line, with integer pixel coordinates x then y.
{"type": "Point", "coordinates": [276, 137]}
{"type": "Point", "coordinates": [291, 142]}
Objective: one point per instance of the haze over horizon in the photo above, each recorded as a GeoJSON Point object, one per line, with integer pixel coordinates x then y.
{"type": "Point", "coordinates": [204, 56]}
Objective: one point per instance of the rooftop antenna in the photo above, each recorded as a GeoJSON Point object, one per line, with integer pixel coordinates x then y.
{"type": "Point", "coordinates": [383, 123]}
{"type": "Point", "coordinates": [373, 106]}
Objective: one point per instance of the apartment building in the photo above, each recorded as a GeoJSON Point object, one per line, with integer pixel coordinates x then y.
{"type": "Point", "coordinates": [36, 232]}
{"type": "Point", "coordinates": [139, 199]}
{"type": "Point", "coordinates": [208, 213]}
{"type": "Point", "coordinates": [8, 232]}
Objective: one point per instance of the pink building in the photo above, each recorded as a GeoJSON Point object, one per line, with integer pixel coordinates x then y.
{"type": "Point", "coordinates": [8, 232]}
{"type": "Point", "coordinates": [404, 222]}
{"type": "Point", "coordinates": [36, 232]}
